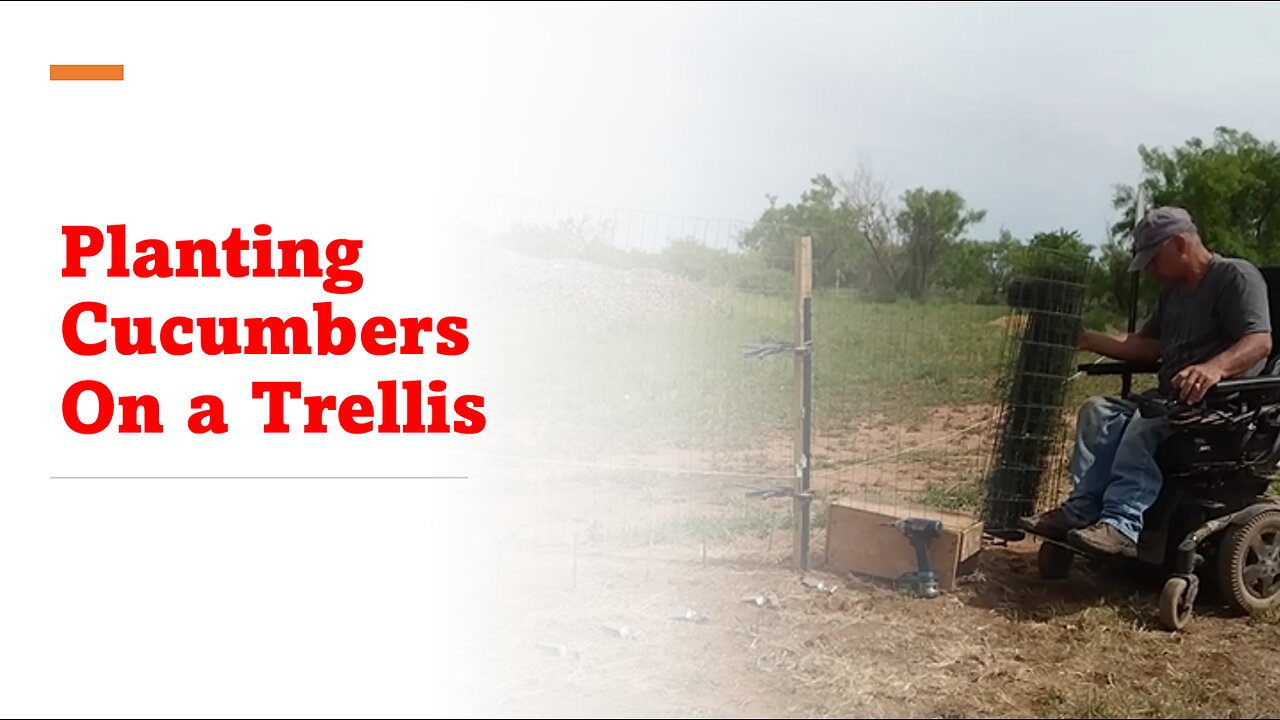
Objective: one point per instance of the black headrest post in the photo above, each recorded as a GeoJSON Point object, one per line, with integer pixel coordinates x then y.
{"type": "Point", "coordinates": [1271, 274]}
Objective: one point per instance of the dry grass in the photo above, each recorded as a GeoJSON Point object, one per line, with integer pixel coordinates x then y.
{"type": "Point", "coordinates": [1004, 644]}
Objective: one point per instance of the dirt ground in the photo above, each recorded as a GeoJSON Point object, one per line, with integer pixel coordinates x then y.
{"type": "Point", "coordinates": [1004, 644]}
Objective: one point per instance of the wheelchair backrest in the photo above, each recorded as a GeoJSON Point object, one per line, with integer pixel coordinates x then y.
{"type": "Point", "coordinates": [1272, 275]}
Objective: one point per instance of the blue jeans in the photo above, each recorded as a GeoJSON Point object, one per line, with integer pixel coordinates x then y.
{"type": "Point", "coordinates": [1113, 465]}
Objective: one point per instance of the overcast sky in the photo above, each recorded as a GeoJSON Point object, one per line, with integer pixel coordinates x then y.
{"type": "Point", "coordinates": [1032, 112]}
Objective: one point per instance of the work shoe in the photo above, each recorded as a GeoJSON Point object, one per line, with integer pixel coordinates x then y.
{"type": "Point", "coordinates": [1053, 524]}
{"type": "Point", "coordinates": [1103, 538]}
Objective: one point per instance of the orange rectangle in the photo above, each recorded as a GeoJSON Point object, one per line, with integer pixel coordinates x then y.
{"type": "Point", "coordinates": [86, 72]}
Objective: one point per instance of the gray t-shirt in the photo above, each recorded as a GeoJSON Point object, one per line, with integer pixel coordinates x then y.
{"type": "Point", "coordinates": [1194, 325]}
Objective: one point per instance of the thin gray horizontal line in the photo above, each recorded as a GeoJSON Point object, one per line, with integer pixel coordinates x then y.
{"type": "Point", "coordinates": [258, 477]}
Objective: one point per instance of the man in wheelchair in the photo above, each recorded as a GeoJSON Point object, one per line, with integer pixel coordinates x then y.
{"type": "Point", "coordinates": [1212, 322]}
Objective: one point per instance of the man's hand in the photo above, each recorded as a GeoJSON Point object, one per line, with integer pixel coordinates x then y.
{"type": "Point", "coordinates": [1196, 380]}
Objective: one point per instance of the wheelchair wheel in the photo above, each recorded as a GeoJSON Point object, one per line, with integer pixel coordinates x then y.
{"type": "Point", "coordinates": [1175, 603]}
{"type": "Point", "coordinates": [1054, 561]}
{"type": "Point", "coordinates": [1249, 564]}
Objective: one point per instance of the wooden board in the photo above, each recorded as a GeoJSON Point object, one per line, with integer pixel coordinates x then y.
{"type": "Point", "coordinates": [861, 539]}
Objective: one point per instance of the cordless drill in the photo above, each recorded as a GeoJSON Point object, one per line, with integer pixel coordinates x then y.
{"type": "Point", "coordinates": [923, 582]}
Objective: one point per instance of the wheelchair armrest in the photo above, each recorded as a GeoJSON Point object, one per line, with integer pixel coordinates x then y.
{"type": "Point", "coordinates": [1226, 403]}
{"type": "Point", "coordinates": [1119, 368]}
{"type": "Point", "coordinates": [1243, 386]}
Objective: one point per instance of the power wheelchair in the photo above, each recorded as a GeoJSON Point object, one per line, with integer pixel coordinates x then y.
{"type": "Point", "coordinates": [1212, 518]}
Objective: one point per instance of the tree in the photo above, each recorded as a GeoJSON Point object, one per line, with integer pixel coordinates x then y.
{"type": "Point", "coordinates": [929, 222]}
{"type": "Point", "coordinates": [860, 239]}
{"type": "Point", "coordinates": [823, 214]}
{"type": "Point", "coordinates": [1061, 242]}
{"type": "Point", "coordinates": [1230, 186]}
{"type": "Point", "coordinates": [872, 211]}
{"type": "Point", "coordinates": [979, 271]}
{"type": "Point", "coordinates": [1111, 283]}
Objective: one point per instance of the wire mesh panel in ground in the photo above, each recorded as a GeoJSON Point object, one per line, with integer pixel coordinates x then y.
{"type": "Point", "coordinates": [903, 413]}
{"type": "Point", "coordinates": [904, 402]}
{"type": "Point", "coordinates": [1031, 441]}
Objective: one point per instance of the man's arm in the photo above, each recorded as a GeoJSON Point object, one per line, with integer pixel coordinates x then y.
{"type": "Point", "coordinates": [1194, 381]}
{"type": "Point", "coordinates": [1142, 346]}
{"type": "Point", "coordinates": [1247, 351]}
{"type": "Point", "coordinates": [1131, 347]}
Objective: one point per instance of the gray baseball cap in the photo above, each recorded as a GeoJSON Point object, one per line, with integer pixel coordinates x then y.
{"type": "Point", "coordinates": [1159, 225]}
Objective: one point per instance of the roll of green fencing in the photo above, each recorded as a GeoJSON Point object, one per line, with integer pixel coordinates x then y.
{"type": "Point", "coordinates": [1047, 304]}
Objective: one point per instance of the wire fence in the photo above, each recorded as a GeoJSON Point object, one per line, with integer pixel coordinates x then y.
{"type": "Point", "coordinates": [950, 410]}
{"type": "Point", "coordinates": [645, 375]}
{"type": "Point", "coordinates": [652, 407]}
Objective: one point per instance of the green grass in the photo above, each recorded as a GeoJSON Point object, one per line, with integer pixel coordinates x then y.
{"type": "Point", "coordinates": [963, 495]}
{"type": "Point", "coordinates": [897, 359]}
{"type": "Point", "coordinates": [681, 379]}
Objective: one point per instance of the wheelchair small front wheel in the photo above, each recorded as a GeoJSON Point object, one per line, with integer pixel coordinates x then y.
{"type": "Point", "coordinates": [1176, 603]}
{"type": "Point", "coordinates": [1054, 561]}
{"type": "Point", "coordinates": [1249, 564]}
